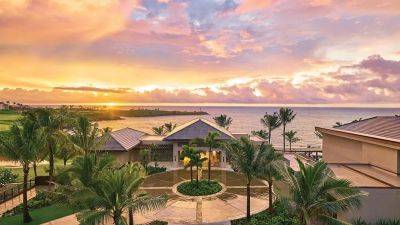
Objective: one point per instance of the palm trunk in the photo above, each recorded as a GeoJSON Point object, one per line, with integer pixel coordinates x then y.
{"type": "Point", "coordinates": [197, 176]}
{"type": "Point", "coordinates": [290, 146]}
{"type": "Point", "coordinates": [116, 219]}
{"type": "Point", "coordinates": [269, 135]}
{"type": "Point", "coordinates": [35, 169]}
{"type": "Point", "coordinates": [26, 216]}
{"type": "Point", "coordinates": [191, 173]}
{"type": "Point", "coordinates": [209, 165]}
{"type": "Point", "coordinates": [65, 162]}
{"type": "Point", "coordinates": [271, 207]}
{"type": "Point", "coordinates": [284, 142]}
{"type": "Point", "coordinates": [248, 202]}
{"type": "Point", "coordinates": [131, 221]}
{"type": "Point", "coordinates": [51, 161]}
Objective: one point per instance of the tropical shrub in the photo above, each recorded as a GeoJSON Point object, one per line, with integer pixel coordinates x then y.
{"type": "Point", "coordinates": [6, 176]}
{"type": "Point", "coordinates": [360, 221]}
{"type": "Point", "coordinates": [201, 188]}
{"type": "Point", "coordinates": [42, 199]}
{"type": "Point", "coordinates": [280, 216]}
{"type": "Point", "coordinates": [153, 170]}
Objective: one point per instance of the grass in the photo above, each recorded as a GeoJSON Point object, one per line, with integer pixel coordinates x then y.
{"type": "Point", "coordinates": [42, 170]}
{"type": "Point", "coordinates": [7, 117]}
{"type": "Point", "coordinates": [39, 216]}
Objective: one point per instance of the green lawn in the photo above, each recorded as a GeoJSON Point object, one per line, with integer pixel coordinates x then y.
{"type": "Point", "coordinates": [39, 216]}
{"type": "Point", "coordinates": [7, 117]}
{"type": "Point", "coordinates": [42, 170]}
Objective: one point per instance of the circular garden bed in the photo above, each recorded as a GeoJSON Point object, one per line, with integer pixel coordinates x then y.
{"type": "Point", "coordinates": [201, 188]}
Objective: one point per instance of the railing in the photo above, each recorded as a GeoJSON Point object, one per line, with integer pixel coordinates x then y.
{"type": "Point", "coordinates": [14, 191]}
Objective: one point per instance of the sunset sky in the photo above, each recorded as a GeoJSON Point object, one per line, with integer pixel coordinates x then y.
{"type": "Point", "coordinates": [200, 51]}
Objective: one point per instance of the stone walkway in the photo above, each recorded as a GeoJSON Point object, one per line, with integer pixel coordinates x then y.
{"type": "Point", "coordinates": [12, 203]}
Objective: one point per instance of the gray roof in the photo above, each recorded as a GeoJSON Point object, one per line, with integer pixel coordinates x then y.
{"type": "Point", "coordinates": [198, 128]}
{"type": "Point", "coordinates": [379, 126]}
{"type": "Point", "coordinates": [123, 139]}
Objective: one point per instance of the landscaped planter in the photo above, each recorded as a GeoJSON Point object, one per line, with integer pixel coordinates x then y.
{"type": "Point", "coordinates": [204, 188]}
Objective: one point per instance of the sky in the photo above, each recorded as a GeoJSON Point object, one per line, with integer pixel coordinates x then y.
{"type": "Point", "coordinates": [200, 51]}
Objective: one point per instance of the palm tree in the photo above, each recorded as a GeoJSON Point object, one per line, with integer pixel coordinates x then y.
{"type": "Point", "coordinates": [290, 136]}
{"type": "Point", "coordinates": [53, 124]}
{"type": "Point", "coordinates": [317, 197]}
{"type": "Point", "coordinates": [24, 142]}
{"type": "Point", "coordinates": [158, 130]}
{"type": "Point", "coordinates": [115, 193]}
{"type": "Point", "coordinates": [86, 135]}
{"type": "Point", "coordinates": [286, 115]}
{"type": "Point", "coordinates": [246, 158]}
{"type": "Point", "coordinates": [271, 122]}
{"type": "Point", "coordinates": [144, 157]}
{"type": "Point", "coordinates": [169, 126]}
{"type": "Point", "coordinates": [318, 134]}
{"type": "Point", "coordinates": [186, 155]}
{"type": "Point", "coordinates": [212, 142]}
{"type": "Point", "coordinates": [223, 121]}
{"type": "Point", "coordinates": [197, 161]}
{"type": "Point", "coordinates": [66, 150]}
{"type": "Point", "coordinates": [260, 133]}
{"type": "Point", "coordinates": [270, 171]}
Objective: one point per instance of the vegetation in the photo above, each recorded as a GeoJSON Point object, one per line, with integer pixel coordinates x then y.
{"type": "Point", "coordinates": [169, 126]}
{"type": "Point", "coordinates": [85, 135]}
{"type": "Point", "coordinates": [7, 117]}
{"type": "Point", "coordinates": [286, 116]}
{"type": "Point", "coordinates": [271, 122]}
{"type": "Point", "coordinates": [360, 221]}
{"type": "Point", "coordinates": [42, 199]}
{"type": "Point", "coordinates": [211, 142]}
{"type": "Point", "coordinates": [270, 171]}
{"type": "Point", "coordinates": [144, 155]}
{"type": "Point", "coordinates": [23, 143]}
{"type": "Point", "coordinates": [186, 155]}
{"type": "Point", "coordinates": [7, 176]}
{"type": "Point", "coordinates": [159, 130]}
{"type": "Point", "coordinates": [246, 158]}
{"type": "Point", "coordinates": [40, 216]}
{"type": "Point", "coordinates": [261, 133]}
{"type": "Point", "coordinates": [150, 170]}
{"type": "Point", "coordinates": [290, 136]}
{"type": "Point", "coordinates": [203, 187]}
{"type": "Point", "coordinates": [281, 216]}
{"type": "Point", "coordinates": [223, 121]}
{"type": "Point", "coordinates": [316, 197]}
{"type": "Point", "coordinates": [115, 114]}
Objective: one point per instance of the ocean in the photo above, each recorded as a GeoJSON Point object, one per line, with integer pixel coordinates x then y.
{"type": "Point", "coordinates": [247, 119]}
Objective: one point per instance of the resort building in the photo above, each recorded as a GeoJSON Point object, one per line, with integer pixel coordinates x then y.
{"type": "Point", "coordinates": [125, 144]}
{"type": "Point", "coordinates": [367, 153]}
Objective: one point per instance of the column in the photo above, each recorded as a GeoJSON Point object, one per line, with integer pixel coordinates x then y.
{"type": "Point", "coordinates": [223, 158]}
{"type": "Point", "coordinates": [175, 155]}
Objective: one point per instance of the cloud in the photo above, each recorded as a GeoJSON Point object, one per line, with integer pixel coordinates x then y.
{"type": "Point", "coordinates": [94, 89]}
{"type": "Point", "coordinates": [364, 82]}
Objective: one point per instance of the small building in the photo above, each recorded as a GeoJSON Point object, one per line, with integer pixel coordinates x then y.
{"type": "Point", "coordinates": [126, 143]}
{"type": "Point", "coordinates": [4, 106]}
{"type": "Point", "coordinates": [367, 153]}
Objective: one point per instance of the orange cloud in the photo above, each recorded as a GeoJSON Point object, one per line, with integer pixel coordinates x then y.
{"type": "Point", "coordinates": [252, 5]}
{"type": "Point", "coordinates": [45, 22]}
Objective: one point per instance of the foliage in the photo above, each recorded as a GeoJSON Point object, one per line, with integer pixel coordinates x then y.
{"type": "Point", "coordinates": [159, 130]}
{"type": "Point", "coordinates": [290, 136]}
{"type": "Point", "coordinates": [286, 116]}
{"type": "Point", "coordinates": [316, 196]}
{"type": "Point", "coordinates": [203, 187]}
{"type": "Point", "coordinates": [169, 126]}
{"type": "Point", "coordinates": [271, 122]}
{"type": "Point", "coordinates": [260, 133]}
{"type": "Point", "coordinates": [7, 176]}
{"type": "Point", "coordinates": [271, 170]}
{"type": "Point", "coordinates": [186, 155]}
{"type": "Point", "coordinates": [40, 216]}
{"type": "Point", "coordinates": [223, 121]}
{"type": "Point", "coordinates": [144, 157]}
{"type": "Point", "coordinates": [281, 216]}
{"type": "Point", "coordinates": [211, 142]}
{"type": "Point", "coordinates": [150, 170]}
{"type": "Point", "coordinates": [360, 221]}
{"type": "Point", "coordinates": [157, 222]}
{"type": "Point", "coordinates": [115, 192]}
{"type": "Point", "coordinates": [85, 135]}
{"type": "Point", "coordinates": [42, 199]}
{"type": "Point", "coordinates": [246, 158]}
